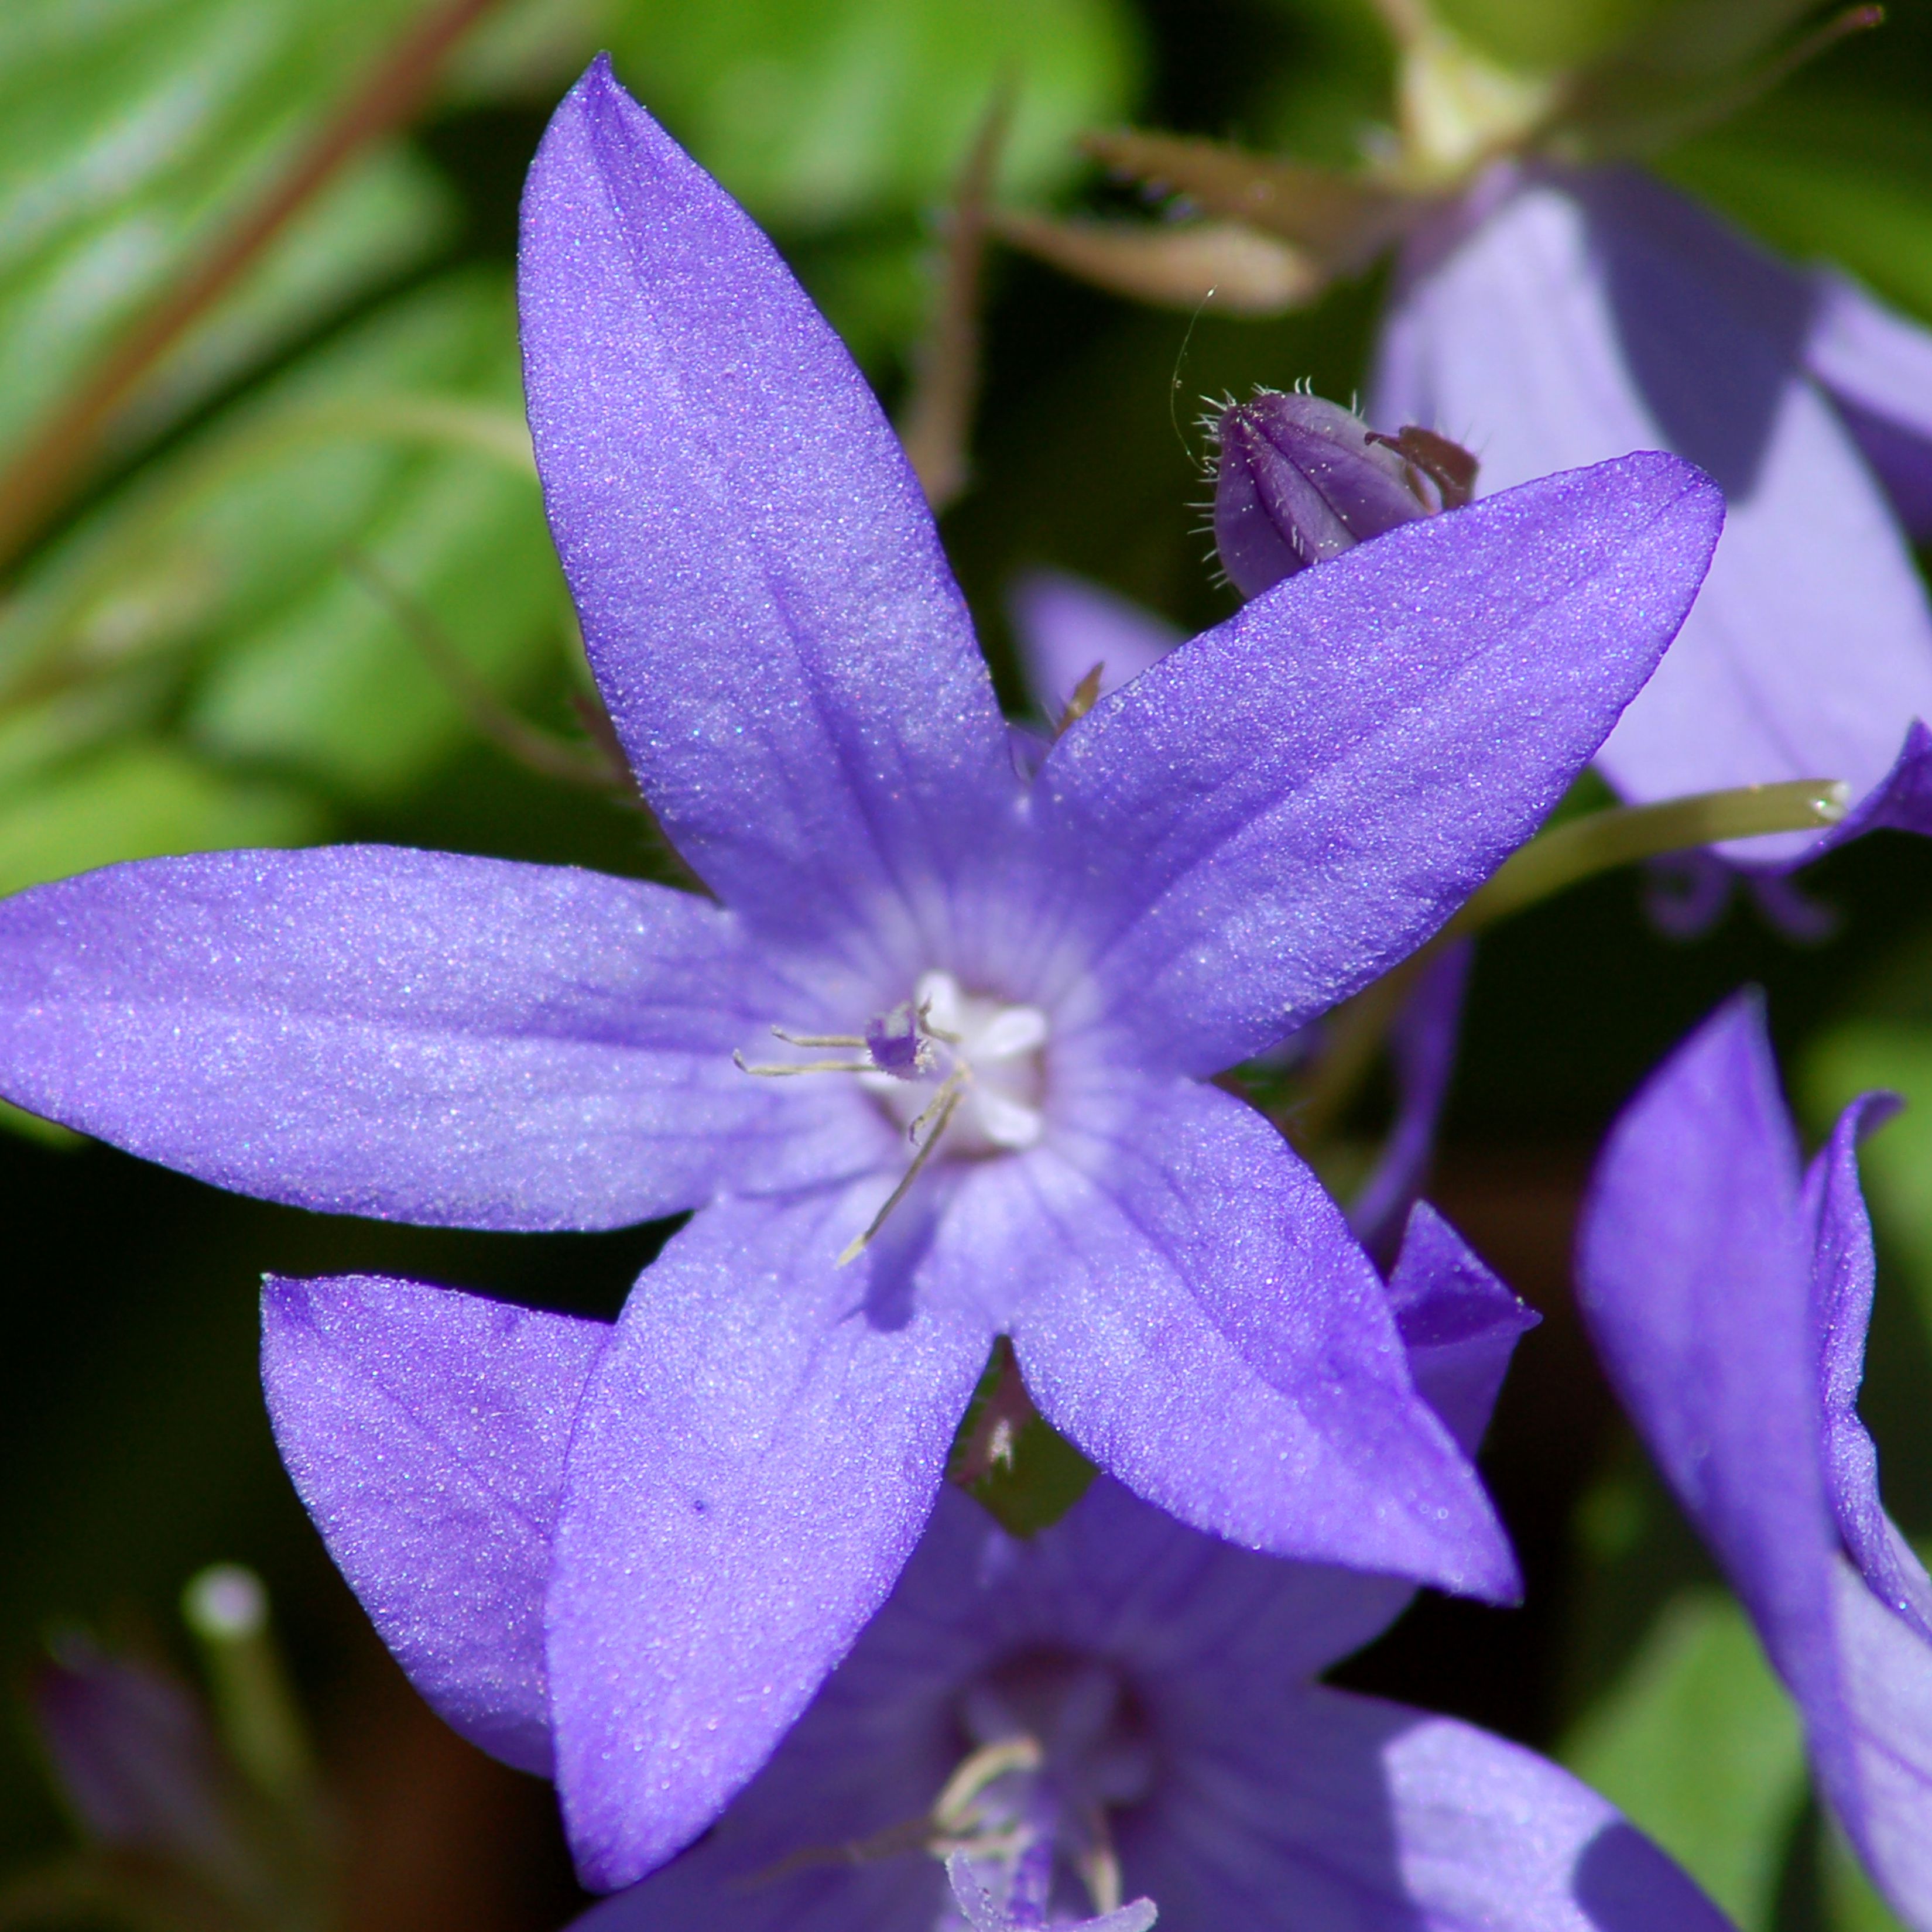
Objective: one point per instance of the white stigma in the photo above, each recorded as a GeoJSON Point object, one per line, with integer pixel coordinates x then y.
{"type": "Point", "coordinates": [989, 1052]}
{"type": "Point", "coordinates": [946, 1063]}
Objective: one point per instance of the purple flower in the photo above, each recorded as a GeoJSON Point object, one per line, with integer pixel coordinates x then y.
{"type": "Point", "coordinates": [1119, 1707]}
{"type": "Point", "coordinates": [1729, 1288]}
{"type": "Point", "coordinates": [1270, 818]}
{"type": "Point", "coordinates": [1555, 317]}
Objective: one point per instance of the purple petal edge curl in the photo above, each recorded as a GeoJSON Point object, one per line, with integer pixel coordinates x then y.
{"type": "Point", "coordinates": [717, 472]}
{"type": "Point", "coordinates": [1275, 813]}
{"type": "Point", "coordinates": [425, 1430]}
{"type": "Point", "coordinates": [757, 1451]}
{"type": "Point", "coordinates": [363, 1030]}
{"type": "Point", "coordinates": [1844, 1275]}
{"type": "Point", "coordinates": [1696, 1266]}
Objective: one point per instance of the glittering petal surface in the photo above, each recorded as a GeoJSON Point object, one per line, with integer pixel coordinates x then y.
{"type": "Point", "coordinates": [1422, 1046]}
{"type": "Point", "coordinates": [752, 1464]}
{"type": "Point", "coordinates": [425, 1431]}
{"type": "Point", "coordinates": [1878, 368]}
{"type": "Point", "coordinates": [1277, 812]}
{"type": "Point", "coordinates": [1276, 1806]}
{"type": "Point", "coordinates": [1190, 1309]}
{"type": "Point", "coordinates": [1065, 626]}
{"type": "Point", "coordinates": [1844, 1274]}
{"type": "Point", "coordinates": [1696, 1264]}
{"type": "Point", "coordinates": [369, 1030]}
{"type": "Point", "coordinates": [1345, 1814]}
{"type": "Point", "coordinates": [772, 621]}
{"type": "Point", "coordinates": [1591, 314]}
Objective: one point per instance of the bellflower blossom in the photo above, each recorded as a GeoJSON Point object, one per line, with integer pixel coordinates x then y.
{"type": "Point", "coordinates": [997, 1000]}
{"type": "Point", "coordinates": [1552, 316]}
{"type": "Point", "coordinates": [1729, 1290]}
{"type": "Point", "coordinates": [1119, 1706]}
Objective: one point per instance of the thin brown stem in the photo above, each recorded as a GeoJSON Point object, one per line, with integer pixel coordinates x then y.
{"type": "Point", "coordinates": [489, 716]}
{"type": "Point", "coordinates": [38, 482]}
{"type": "Point", "coordinates": [937, 424]}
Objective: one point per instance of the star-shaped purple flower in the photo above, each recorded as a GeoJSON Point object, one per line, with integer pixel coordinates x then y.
{"type": "Point", "coordinates": [1728, 1288]}
{"type": "Point", "coordinates": [1120, 1708]}
{"type": "Point", "coordinates": [1018, 988]}
{"type": "Point", "coordinates": [1555, 316]}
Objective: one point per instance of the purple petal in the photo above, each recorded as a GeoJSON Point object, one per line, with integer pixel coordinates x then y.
{"type": "Point", "coordinates": [1845, 1270]}
{"type": "Point", "coordinates": [1366, 1815]}
{"type": "Point", "coordinates": [1591, 313]}
{"type": "Point", "coordinates": [1065, 626]}
{"type": "Point", "coordinates": [757, 1451]}
{"type": "Point", "coordinates": [1422, 1044]}
{"type": "Point", "coordinates": [1696, 1266]}
{"type": "Point", "coordinates": [1901, 802]}
{"type": "Point", "coordinates": [1271, 816]}
{"type": "Point", "coordinates": [1695, 1279]}
{"type": "Point", "coordinates": [410, 1035]}
{"type": "Point", "coordinates": [1877, 1760]}
{"type": "Point", "coordinates": [1878, 367]}
{"type": "Point", "coordinates": [425, 1432]}
{"type": "Point", "coordinates": [1192, 1311]}
{"type": "Point", "coordinates": [771, 619]}
{"type": "Point", "coordinates": [1459, 1323]}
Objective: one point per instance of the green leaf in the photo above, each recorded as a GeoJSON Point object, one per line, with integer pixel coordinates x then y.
{"type": "Point", "coordinates": [257, 586]}
{"type": "Point", "coordinates": [1821, 178]}
{"type": "Point", "coordinates": [815, 114]}
{"type": "Point", "coordinates": [139, 801]}
{"type": "Point", "coordinates": [1698, 1743]}
{"type": "Point", "coordinates": [133, 132]}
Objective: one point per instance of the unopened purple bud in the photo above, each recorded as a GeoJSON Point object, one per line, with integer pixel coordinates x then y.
{"type": "Point", "coordinates": [135, 1758]}
{"type": "Point", "coordinates": [1300, 480]}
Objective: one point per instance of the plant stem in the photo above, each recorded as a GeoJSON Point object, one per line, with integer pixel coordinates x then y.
{"type": "Point", "coordinates": [1555, 860]}
{"type": "Point", "coordinates": [37, 482]}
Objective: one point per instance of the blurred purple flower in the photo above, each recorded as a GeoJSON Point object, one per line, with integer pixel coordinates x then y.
{"type": "Point", "coordinates": [1557, 317]}
{"type": "Point", "coordinates": [1270, 819]}
{"type": "Point", "coordinates": [1163, 1677]}
{"type": "Point", "coordinates": [1729, 1290]}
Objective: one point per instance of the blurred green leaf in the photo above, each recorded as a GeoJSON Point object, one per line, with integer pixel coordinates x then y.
{"type": "Point", "coordinates": [1549, 35]}
{"type": "Point", "coordinates": [1851, 1904]}
{"type": "Point", "coordinates": [138, 801]}
{"type": "Point", "coordinates": [132, 131]}
{"type": "Point", "coordinates": [815, 114]}
{"type": "Point", "coordinates": [1844, 180]}
{"type": "Point", "coordinates": [1698, 1743]}
{"type": "Point", "coordinates": [227, 587]}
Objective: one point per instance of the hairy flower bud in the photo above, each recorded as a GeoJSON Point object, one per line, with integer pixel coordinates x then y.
{"type": "Point", "coordinates": [1300, 479]}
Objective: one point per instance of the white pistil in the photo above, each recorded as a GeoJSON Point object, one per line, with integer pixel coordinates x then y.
{"type": "Point", "coordinates": [984, 1054]}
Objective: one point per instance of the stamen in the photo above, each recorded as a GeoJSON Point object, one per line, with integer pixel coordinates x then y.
{"type": "Point", "coordinates": [860, 1242]}
{"type": "Point", "coordinates": [954, 1809]}
{"type": "Point", "coordinates": [784, 1070]}
{"type": "Point", "coordinates": [819, 1039]}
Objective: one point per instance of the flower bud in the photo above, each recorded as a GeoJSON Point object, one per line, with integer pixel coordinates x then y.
{"type": "Point", "coordinates": [1300, 480]}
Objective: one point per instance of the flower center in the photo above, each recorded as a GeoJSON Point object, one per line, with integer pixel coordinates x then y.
{"type": "Point", "coordinates": [944, 1061]}
{"type": "Point", "coordinates": [1023, 1822]}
